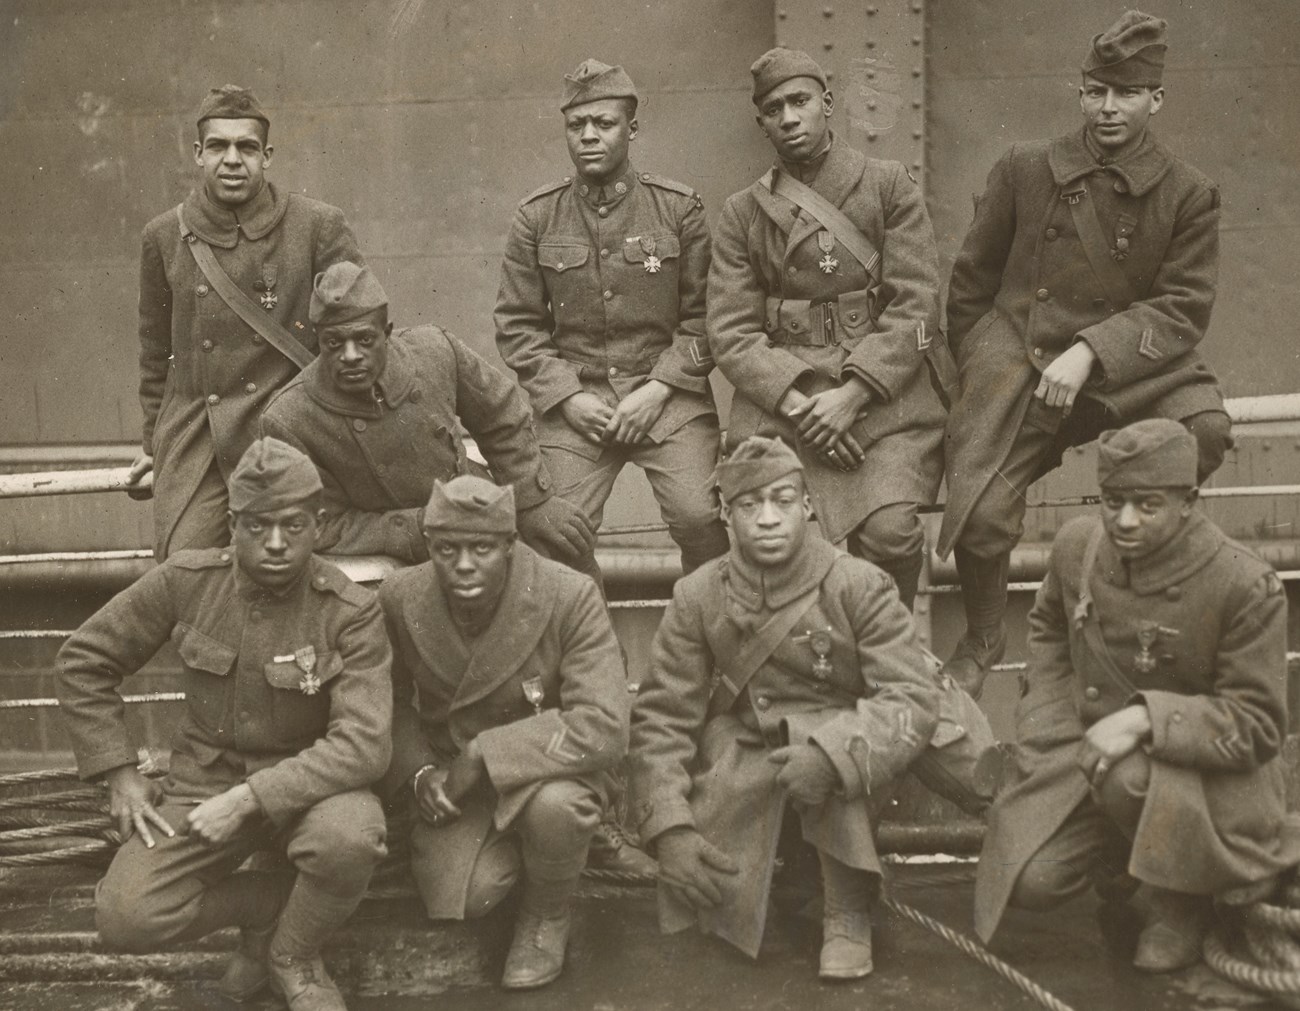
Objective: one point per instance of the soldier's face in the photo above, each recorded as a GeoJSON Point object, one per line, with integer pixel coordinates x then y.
{"type": "Point", "coordinates": [598, 135]}
{"type": "Point", "coordinates": [471, 567]}
{"type": "Point", "coordinates": [796, 116]}
{"type": "Point", "coordinates": [1139, 521]}
{"type": "Point", "coordinates": [770, 524]}
{"type": "Point", "coordinates": [1116, 116]}
{"type": "Point", "coordinates": [355, 353]}
{"type": "Point", "coordinates": [234, 158]}
{"type": "Point", "coordinates": [273, 549]}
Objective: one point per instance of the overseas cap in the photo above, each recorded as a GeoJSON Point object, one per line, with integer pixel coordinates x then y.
{"type": "Point", "coordinates": [272, 475]}
{"type": "Point", "coordinates": [344, 292]}
{"type": "Point", "coordinates": [593, 81]}
{"type": "Point", "coordinates": [776, 66]}
{"type": "Point", "coordinates": [230, 101]}
{"type": "Point", "coordinates": [1130, 52]}
{"type": "Point", "coordinates": [471, 503]}
{"type": "Point", "coordinates": [755, 462]}
{"type": "Point", "coordinates": [1157, 453]}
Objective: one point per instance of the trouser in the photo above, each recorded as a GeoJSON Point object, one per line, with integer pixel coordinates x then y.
{"type": "Point", "coordinates": [184, 888]}
{"type": "Point", "coordinates": [1092, 845]}
{"type": "Point", "coordinates": [997, 522]}
{"type": "Point", "coordinates": [893, 538]}
{"type": "Point", "coordinates": [203, 521]}
{"type": "Point", "coordinates": [680, 470]}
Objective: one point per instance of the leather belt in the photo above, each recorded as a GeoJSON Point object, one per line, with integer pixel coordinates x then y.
{"type": "Point", "coordinates": [804, 323]}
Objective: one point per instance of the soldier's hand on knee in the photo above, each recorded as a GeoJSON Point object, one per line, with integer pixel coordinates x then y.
{"type": "Point", "coordinates": [131, 803]}
{"type": "Point", "coordinates": [431, 800]}
{"type": "Point", "coordinates": [1111, 739]}
{"type": "Point", "coordinates": [587, 415]}
{"type": "Point", "coordinates": [218, 818]}
{"type": "Point", "coordinates": [1062, 380]}
{"type": "Point", "coordinates": [693, 868]}
{"type": "Point", "coordinates": [560, 526]}
{"type": "Point", "coordinates": [637, 412]}
{"type": "Point", "coordinates": [806, 772]}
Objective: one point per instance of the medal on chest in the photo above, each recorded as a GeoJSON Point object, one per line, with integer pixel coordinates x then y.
{"type": "Point", "coordinates": [826, 243]}
{"type": "Point", "coordinates": [268, 298]}
{"type": "Point", "coordinates": [1124, 226]}
{"type": "Point", "coordinates": [305, 658]}
{"type": "Point", "coordinates": [819, 641]}
{"type": "Point", "coordinates": [1148, 634]}
{"type": "Point", "coordinates": [652, 262]}
{"type": "Point", "coordinates": [532, 689]}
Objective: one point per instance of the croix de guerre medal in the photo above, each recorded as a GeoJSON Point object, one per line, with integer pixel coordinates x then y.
{"type": "Point", "coordinates": [268, 298]}
{"type": "Point", "coordinates": [305, 658]}
{"type": "Point", "coordinates": [652, 262]}
{"type": "Point", "coordinates": [819, 640]}
{"type": "Point", "coordinates": [532, 689]}
{"type": "Point", "coordinates": [826, 243]}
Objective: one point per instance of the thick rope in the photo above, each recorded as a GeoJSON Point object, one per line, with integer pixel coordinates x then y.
{"type": "Point", "coordinates": [1274, 981]}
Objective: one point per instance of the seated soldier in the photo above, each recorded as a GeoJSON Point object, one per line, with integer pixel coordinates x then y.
{"type": "Point", "coordinates": [288, 699]}
{"type": "Point", "coordinates": [786, 670]}
{"type": "Point", "coordinates": [511, 719]}
{"type": "Point", "coordinates": [380, 413]}
{"type": "Point", "coordinates": [1152, 713]}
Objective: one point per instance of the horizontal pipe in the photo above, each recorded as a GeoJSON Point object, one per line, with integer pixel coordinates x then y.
{"type": "Point", "coordinates": [69, 482]}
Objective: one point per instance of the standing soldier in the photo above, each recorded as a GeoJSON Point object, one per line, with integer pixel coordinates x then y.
{"type": "Point", "coordinates": [1078, 298]}
{"type": "Point", "coordinates": [1152, 715]}
{"type": "Point", "coordinates": [225, 281]}
{"type": "Point", "coordinates": [288, 722]}
{"type": "Point", "coordinates": [601, 315]}
{"type": "Point", "coordinates": [786, 670]}
{"type": "Point", "coordinates": [380, 414]}
{"type": "Point", "coordinates": [823, 303]}
{"type": "Point", "coordinates": [511, 716]}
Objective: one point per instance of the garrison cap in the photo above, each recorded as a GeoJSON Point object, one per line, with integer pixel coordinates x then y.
{"type": "Point", "coordinates": [776, 66]}
{"type": "Point", "coordinates": [344, 292]}
{"type": "Point", "coordinates": [1131, 52]}
{"type": "Point", "coordinates": [593, 81]}
{"type": "Point", "coordinates": [230, 101]}
{"type": "Point", "coordinates": [272, 475]}
{"type": "Point", "coordinates": [471, 503]}
{"type": "Point", "coordinates": [755, 462]}
{"type": "Point", "coordinates": [1156, 453]}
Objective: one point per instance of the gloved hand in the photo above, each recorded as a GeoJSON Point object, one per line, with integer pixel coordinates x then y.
{"type": "Point", "coordinates": [807, 773]}
{"type": "Point", "coordinates": [560, 527]}
{"type": "Point", "coordinates": [693, 868]}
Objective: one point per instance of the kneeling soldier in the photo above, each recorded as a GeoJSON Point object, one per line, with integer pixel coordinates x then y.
{"type": "Point", "coordinates": [286, 673]}
{"type": "Point", "coordinates": [785, 670]}
{"type": "Point", "coordinates": [511, 717]}
{"type": "Point", "coordinates": [1152, 714]}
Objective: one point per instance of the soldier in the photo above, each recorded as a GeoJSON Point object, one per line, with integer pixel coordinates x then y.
{"type": "Point", "coordinates": [380, 413]}
{"type": "Point", "coordinates": [288, 705]}
{"type": "Point", "coordinates": [511, 717]}
{"type": "Point", "coordinates": [1078, 298]}
{"type": "Point", "coordinates": [823, 302]}
{"type": "Point", "coordinates": [1152, 715]}
{"type": "Point", "coordinates": [225, 281]}
{"type": "Point", "coordinates": [786, 670]}
{"type": "Point", "coordinates": [601, 316]}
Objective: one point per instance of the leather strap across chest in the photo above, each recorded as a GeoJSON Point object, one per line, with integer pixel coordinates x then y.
{"type": "Point", "coordinates": [831, 218]}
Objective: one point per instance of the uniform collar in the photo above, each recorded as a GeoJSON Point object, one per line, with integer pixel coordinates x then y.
{"type": "Point", "coordinates": [613, 191]}
{"type": "Point", "coordinates": [219, 226]}
{"type": "Point", "coordinates": [1071, 158]}
{"type": "Point", "coordinates": [808, 171]}
{"type": "Point", "coordinates": [755, 588]}
{"type": "Point", "coordinates": [1187, 552]}
{"type": "Point", "coordinates": [840, 171]}
{"type": "Point", "coordinates": [394, 386]}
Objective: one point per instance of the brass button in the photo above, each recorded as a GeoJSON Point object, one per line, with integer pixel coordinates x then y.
{"type": "Point", "coordinates": [584, 189]}
{"type": "Point", "coordinates": [206, 345]}
{"type": "Point", "coordinates": [613, 370]}
{"type": "Point", "coordinates": [255, 615]}
{"type": "Point", "coordinates": [201, 290]}
{"type": "Point", "coordinates": [603, 212]}
{"type": "Point", "coordinates": [792, 269]}
{"type": "Point", "coordinates": [1051, 234]}
{"type": "Point", "coordinates": [763, 702]}
{"type": "Point", "coordinates": [257, 338]}
{"type": "Point", "coordinates": [416, 396]}
{"type": "Point", "coordinates": [320, 582]}
{"type": "Point", "coordinates": [1173, 593]}
{"type": "Point", "coordinates": [1099, 303]}
{"type": "Point", "coordinates": [397, 521]}
{"type": "Point", "coordinates": [225, 556]}
{"type": "Point", "coordinates": [250, 387]}
{"type": "Point", "coordinates": [1038, 352]}
{"type": "Point", "coordinates": [620, 187]}
{"type": "Point", "coordinates": [559, 264]}
{"type": "Point", "coordinates": [604, 254]}
{"type": "Point", "coordinates": [1042, 295]}
{"type": "Point", "coordinates": [359, 424]}
{"type": "Point", "coordinates": [607, 294]}
{"type": "Point", "coordinates": [213, 399]}
{"type": "Point", "coordinates": [1120, 187]}
{"type": "Point", "coordinates": [853, 317]}
{"type": "Point", "coordinates": [1177, 717]}
{"type": "Point", "coordinates": [1092, 694]}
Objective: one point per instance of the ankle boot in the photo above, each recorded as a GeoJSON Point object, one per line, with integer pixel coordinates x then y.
{"type": "Point", "coordinates": [906, 574]}
{"type": "Point", "coordinates": [310, 916]}
{"type": "Point", "coordinates": [846, 924]}
{"type": "Point", "coordinates": [613, 850]}
{"type": "Point", "coordinates": [541, 933]}
{"type": "Point", "coordinates": [1176, 925]}
{"type": "Point", "coordinates": [984, 594]}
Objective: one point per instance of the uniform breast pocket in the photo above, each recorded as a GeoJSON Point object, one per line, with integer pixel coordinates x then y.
{"type": "Point", "coordinates": [653, 264]}
{"type": "Point", "coordinates": [563, 266]}
{"type": "Point", "coordinates": [301, 700]}
{"type": "Point", "coordinates": [208, 663]}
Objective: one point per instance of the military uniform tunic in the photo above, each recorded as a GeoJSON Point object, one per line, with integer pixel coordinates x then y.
{"type": "Point", "coordinates": [205, 375]}
{"type": "Point", "coordinates": [1197, 633]}
{"type": "Point", "coordinates": [379, 456]}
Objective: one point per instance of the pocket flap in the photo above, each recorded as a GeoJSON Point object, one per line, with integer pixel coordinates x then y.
{"type": "Point", "coordinates": [202, 652]}
{"type": "Point", "coordinates": [286, 674]}
{"type": "Point", "coordinates": [666, 247]}
{"type": "Point", "coordinates": [562, 256]}
{"type": "Point", "coordinates": [855, 311]}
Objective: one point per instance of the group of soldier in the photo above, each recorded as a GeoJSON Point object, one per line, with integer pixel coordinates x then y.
{"type": "Point", "coordinates": [483, 689]}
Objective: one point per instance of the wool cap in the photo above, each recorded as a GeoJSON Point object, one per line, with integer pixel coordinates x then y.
{"type": "Point", "coordinates": [230, 101]}
{"type": "Point", "coordinates": [471, 503]}
{"type": "Point", "coordinates": [755, 462]}
{"type": "Point", "coordinates": [593, 81]}
{"type": "Point", "coordinates": [343, 292]}
{"type": "Point", "coordinates": [272, 475]}
{"type": "Point", "coordinates": [1157, 453]}
{"type": "Point", "coordinates": [776, 66]}
{"type": "Point", "coordinates": [1131, 52]}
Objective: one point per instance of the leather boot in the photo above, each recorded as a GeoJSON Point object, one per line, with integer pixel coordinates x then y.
{"type": "Point", "coordinates": [1176, 926]}
{"type": "Point", "coordinates": [613, 850]}
{"type": "Point", "coordinates": [984, 594]}
{"type": "Point", "coordinates": [906, 573]}
{"type": "Point", "coordinates": [846, 924]}
{"type": "Point", "coordinates": [247, 973]}
{"type": "Point", "coordinates": [310, 916]}
{"type": "Point", "coordinates": [541, 933]}
{"type": "Point", "coordinates": [304, 984]}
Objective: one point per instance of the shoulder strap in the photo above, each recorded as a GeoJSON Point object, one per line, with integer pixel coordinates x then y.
{"type": "Point", "coordinates": [832, 219]}
{"type": "Point", "coordinates": [274, 334]}
{"type": "Point", "coordinates": [736, 671]}
{"type": "Point", "coordinates": [1114, 282]}
{"type": "Point", "coordinates": [1090, 623]}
